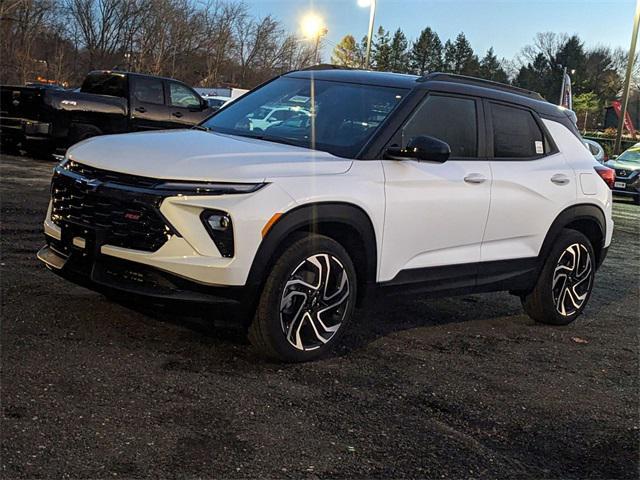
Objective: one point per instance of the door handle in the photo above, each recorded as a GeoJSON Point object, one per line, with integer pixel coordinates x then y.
{"type": "Point", "coordinates": [141, 109]}
{"type": "Point", "coordinates": [475, 178]}
{"type": "Point", "coordinates": [560, 179]}
{"type": "Point", "coordinates": [177, 114]}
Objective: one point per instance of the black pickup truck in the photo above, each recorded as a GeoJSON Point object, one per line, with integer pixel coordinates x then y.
{"type": "Point", "coordinates": [42, 120]}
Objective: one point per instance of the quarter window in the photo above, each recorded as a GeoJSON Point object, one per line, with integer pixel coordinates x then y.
{"type": "Point", "coordinates": [516, 133]}
{"type": "Point", "coordinates": [450, 119]}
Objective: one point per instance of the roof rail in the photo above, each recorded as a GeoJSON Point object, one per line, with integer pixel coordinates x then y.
{"type": "Point", "coordinates": [480, 82]}
{"type": "Point", "coordinates": [324, 66]}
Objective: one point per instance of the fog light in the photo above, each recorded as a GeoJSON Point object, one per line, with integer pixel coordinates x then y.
{"type": "Point", "coordinates": [219, 222]}
{"type": "Point", "coordinates": [220, 228]}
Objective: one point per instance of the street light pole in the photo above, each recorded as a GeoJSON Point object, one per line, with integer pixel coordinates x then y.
{"type": "Point", "coordinates": [564, 76]}
{"type": "Point", "coordinates": [372, 19]}
{"type": "Point", "coordinates": [627, 79]}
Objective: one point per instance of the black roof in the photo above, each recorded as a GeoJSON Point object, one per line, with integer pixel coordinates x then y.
{"type": "Point", "coordinates": [129, 74]}
{"type": "Point", "coordinates": [363, 77]}
{"type": "Point", "coordinates": [436, 81]}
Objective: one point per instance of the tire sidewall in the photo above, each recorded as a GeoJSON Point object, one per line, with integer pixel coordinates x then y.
{"type": "Point", "coordinates": [280, 274]}
{"type": "Point", "coordinates": [568, 237]}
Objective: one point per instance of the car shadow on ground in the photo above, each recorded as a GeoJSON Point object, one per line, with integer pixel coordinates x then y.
{"type": "Point", "coordinates": [226, 326]}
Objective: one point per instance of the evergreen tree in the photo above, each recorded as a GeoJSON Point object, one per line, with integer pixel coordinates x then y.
{"type": "Point", "coordinates": [491, 69]}
{"type": "Point", "coordinates": [347, 53]}
{"type": "Point", "coordinates": [449, 58]}
{"type": "Point", "coordinates": [426, 53]}
{"type": "Point", "coordinates": [572, 56]}
{"type": "Point", "coordinates": [399, 57]}
{"type": "Point", "coordinates": [463, 60]}
{"type": "Point", "coordinates": [537, 76]}
{"type": "Point", "coordinates": [381, 54]}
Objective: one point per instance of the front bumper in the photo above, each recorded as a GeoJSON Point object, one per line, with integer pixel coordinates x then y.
{"type": "Point", "coordinates": [20, 129]}
{"type": "Point", "coordinates": [109, 275]}
{"type": "Point", "coordinates": [627, 183]}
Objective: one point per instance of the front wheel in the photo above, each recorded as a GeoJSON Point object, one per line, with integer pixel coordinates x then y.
{"type": "Point", "coordinates": [565, 283]}
{"type": "Point", "coordinates": [307, 301]}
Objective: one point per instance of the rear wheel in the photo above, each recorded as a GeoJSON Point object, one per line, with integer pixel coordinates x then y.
{"type": "Point", "coordinates": [307, 301]}
{"type": "Point", "coordinates": [565, 283]}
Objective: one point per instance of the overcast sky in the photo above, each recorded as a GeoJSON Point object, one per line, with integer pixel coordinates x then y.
{"type": "Point", "coordinates": [507, 25]}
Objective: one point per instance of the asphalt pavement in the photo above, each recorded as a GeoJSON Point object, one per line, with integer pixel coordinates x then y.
{"type": "Point", "coordinates": [464, 387]}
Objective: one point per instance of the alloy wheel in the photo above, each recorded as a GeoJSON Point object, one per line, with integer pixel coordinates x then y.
{"type": "Point", "coordinates": [314, 302]}
{"type": "Point", "coordinates": [572, 279]}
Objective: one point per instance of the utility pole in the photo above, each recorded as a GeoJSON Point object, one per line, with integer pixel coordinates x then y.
{"type": "Point", "coordinates": [627, 79]}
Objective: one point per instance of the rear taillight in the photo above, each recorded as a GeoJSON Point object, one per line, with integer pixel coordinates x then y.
{"type": "Point", "coordinates": [607, 174]}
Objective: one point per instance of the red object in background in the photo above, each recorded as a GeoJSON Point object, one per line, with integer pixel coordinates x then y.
{"type": "Point", "coordinates": [628, 124]}
{"type": "Point", "coordinates": [607, 174]}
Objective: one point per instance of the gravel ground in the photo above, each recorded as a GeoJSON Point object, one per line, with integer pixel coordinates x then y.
{"type": "Point", "coordinates": [453, 388]}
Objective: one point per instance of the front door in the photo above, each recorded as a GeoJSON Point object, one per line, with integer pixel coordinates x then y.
{"type": "Point", "coordinates": [186, 108]}
{"type": "Point", "coordinates": [436, 212]}
{"type": "Point", "coordinates": [148, 109]}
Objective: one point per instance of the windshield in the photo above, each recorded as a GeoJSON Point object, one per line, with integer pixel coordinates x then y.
{"type": "Point", "coordinates": [339, 119]}
{"type": "Point", "coordinates": [632, 155]}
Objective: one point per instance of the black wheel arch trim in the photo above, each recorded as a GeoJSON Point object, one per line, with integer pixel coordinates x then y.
{"type": "Point", "coordinates": [311, 217]}
{"type": "Point", "coordinates": [570, 215]}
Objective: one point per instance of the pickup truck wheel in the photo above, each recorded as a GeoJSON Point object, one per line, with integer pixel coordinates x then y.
{"type": "Point", "coordinates": [38, 150]}
{"type": "Point", "coordinates": [307, 301]}
{"type": "Point", "coordinates": [82, 132]}
{"type": "Point", "coordinates": [565, 283]}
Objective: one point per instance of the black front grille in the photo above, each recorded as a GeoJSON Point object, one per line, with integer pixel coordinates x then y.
{"type": "Point", "coordinates": [119, 209]}
{"type": "Point", "coordinates": [107, 176]}
{"type": "Point", "coordinates": [623, 173]}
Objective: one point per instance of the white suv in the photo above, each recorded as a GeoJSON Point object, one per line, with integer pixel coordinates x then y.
{"type": "Point", "coordinates": [429, 185]}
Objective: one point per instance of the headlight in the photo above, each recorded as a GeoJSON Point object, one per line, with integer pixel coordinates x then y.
{"type": "Point", "coordinates": [220, 228]}
{"type": "Point", "coordinates": [201, 188]}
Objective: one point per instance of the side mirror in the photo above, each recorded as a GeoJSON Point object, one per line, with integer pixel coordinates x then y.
{"type": "Point", "coordinates": [422, 148]}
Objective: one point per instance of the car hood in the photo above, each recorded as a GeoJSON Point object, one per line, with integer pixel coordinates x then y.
{"type": "Point", "coordinates": [203, 156]}
{"type": "Point", "coordinates": [622, 165]}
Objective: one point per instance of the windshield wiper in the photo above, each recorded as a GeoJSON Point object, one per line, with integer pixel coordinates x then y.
{"type": "Point", "coordinates": [268, 138]}
{"type": "Point", "coordinates": [200, 127]}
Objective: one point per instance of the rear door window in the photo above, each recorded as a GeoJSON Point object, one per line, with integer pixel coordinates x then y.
{"type": "Point", "coordinates": [148, 90]}
{"type": "Point", "coordinates": [516, 134]}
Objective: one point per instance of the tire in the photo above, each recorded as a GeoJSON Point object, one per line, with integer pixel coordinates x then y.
{"type": "Point", "coordinates": [79, 133]}
{"type": "Point", "coordinates": [572, 264]}
{"type": "Point", "coordinates": [307, 301]}
{"type": "Point", "coordinates": [38, 150]}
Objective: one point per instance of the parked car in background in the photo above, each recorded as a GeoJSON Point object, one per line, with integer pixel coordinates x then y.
{"type": "Point", "coordinates": [42, 119]}
{"type": "Point", "coordinates": [217, 102]}
{"type": "Point", "coordinates": [271, 115]}
{"type": "Point", "coordinates": [596, 150]}
{"type": "Point", "coordinates": [398, 184]}
{"type": "Point", "coordinates": [627, 168]}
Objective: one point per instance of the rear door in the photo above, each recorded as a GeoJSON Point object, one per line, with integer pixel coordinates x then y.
{"type": "Point", "coordinates": [436, 212]}
{"type": "Point", "coordinates": [186, 107]}
{"type": "Point", "coordinates": [532, 183]}
{"type": "Point", "coordinates": [148, 108]}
